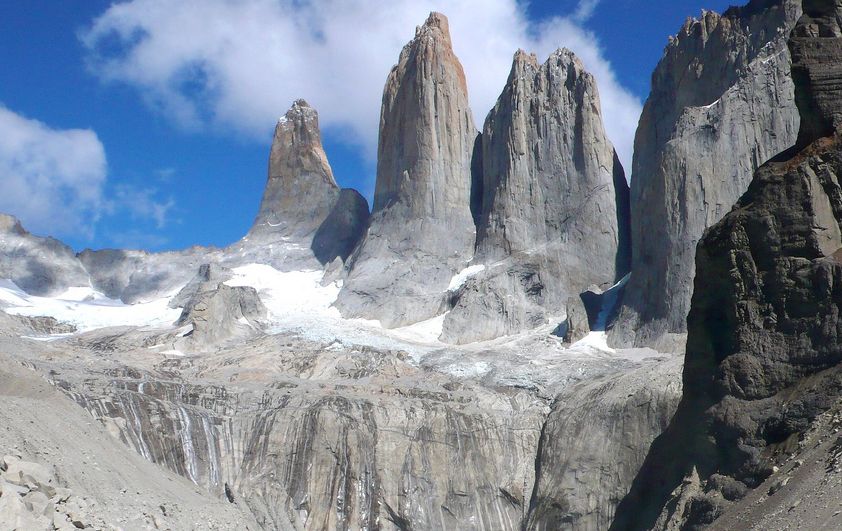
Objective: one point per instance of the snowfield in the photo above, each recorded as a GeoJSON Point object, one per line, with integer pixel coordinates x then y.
{"type": "Point", "coordinates": [297, 302]}
{"type": "Point", "coordinates": [86, 308]}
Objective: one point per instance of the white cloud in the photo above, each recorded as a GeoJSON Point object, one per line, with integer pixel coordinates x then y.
{"type": "Point", "coordinates": [238, 64]}
{"type": "Point", "coordinates": [56, 181]}
{"type": "Point", "coordinates": [141, 204]}
{"type": "Point", "coordinates": [51, 179]}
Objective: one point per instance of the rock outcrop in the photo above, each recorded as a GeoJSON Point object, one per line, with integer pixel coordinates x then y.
{"type": "Point", "coordinates": [722, 104]}
{"type": "Point", "coordinates": [422, 230]}
{"type": "Point", "coordinates": [593, 443]}
{"type": "Point", "coordinates": [554, 215]}
{"type": "Point", "coordinates": [39, 266]}
{"type": "Point", "coordinates": [217, 312]}
{"type": "Point", "coordinates": [764, 350]}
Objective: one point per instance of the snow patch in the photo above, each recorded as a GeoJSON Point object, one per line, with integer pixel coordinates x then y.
{"type": "Point", "coordinates": [461, 277]}
{"type": "Point", "coordinates": [86, 308]}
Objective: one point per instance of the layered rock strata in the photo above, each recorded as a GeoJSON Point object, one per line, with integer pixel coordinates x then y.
{"type": "Point", "coordinates": [554, 208]}
{"type": "Point", "coordinates": [764, 351]}
{"type": "Point", "coordinates": [422, 230]}
{"type": "Point", "coordinates": [722, 104]}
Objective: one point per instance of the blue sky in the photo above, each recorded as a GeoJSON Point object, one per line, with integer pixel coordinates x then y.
{"type": "Point", "coordinates": [112, 140]}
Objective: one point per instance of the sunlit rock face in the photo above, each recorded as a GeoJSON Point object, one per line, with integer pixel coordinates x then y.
{"type": "Point", "coordinates": [306, 433]}
{"type": "Point", "coordinates": [722, 104]}
{"type": "Point", "coordinates": [553, 218]}
{"type": "Point", "coordinates": [422, 231]}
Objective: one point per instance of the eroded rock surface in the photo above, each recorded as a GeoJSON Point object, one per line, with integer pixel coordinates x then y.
{"type": "Point", "coordinates": [722, 104]}
{"type": "Point", "coordinates": [219, 313]}
{"type": "Point", "coordinates": [422, 230]}
{"type": "Point", "coordinates": [554, 204]}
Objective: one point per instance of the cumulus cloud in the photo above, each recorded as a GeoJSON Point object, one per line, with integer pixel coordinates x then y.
{"type": "Point", "coordinates": [50, 178]}
{"type": "Point", "coordinates": [238, 64]}
{"type": "Point", "coordinates": [56, 181]}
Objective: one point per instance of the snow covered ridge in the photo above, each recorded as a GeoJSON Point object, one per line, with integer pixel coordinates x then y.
{"type": "Point", "coordinates": [461, 277]}
{"type": "Point", "coordinates": [86, 308]}
{"type": "Point", "coordinates": [297, 301]}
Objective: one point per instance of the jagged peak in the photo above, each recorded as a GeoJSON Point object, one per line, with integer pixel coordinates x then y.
{"type": "Point", "coordinates": [526, 63]}
{"type": "Point", "coordinates": [436, 25]}
{"type": "Point", "coordinates": [299, 110]}
{"type": "Point", "coordinates": [9, 223]}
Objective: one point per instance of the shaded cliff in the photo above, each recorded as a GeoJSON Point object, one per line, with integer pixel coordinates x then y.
{"type": "Point", "coordinates": [722, 104]}
{"type": "Point", "coordinates": [764, 350]}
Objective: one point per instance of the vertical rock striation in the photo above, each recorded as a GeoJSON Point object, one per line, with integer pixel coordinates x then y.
{"type": "Point", "coordinates": [722, 104]}
{"type": "Point", "coordinates": [422, 231]}
{"type": "Point", "coordinates": [554, 203]}
{"type": "Point", "coordinates": [764, 351]}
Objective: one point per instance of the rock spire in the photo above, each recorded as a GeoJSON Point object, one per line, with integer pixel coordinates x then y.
{"type": "Point", "coordinates": [422, 231]}
{"type": "Point", "coordinates": [554, 214]}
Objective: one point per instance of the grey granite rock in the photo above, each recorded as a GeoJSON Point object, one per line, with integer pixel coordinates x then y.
{"type": "Point", "coordinates": [207, 273]}
{"type": "Point", "coordinates": [764, 350]}
{"type": "Point", "coordinates": [553, 219]}
{"type": "Point", "coordinates": [422, 230]}
{"type": "Point", "coordinates": [594, 441]}
{"type": "Point", "coordinates": [135, 276]}
{"type": "Point", "coordinates": [219, 313]}
{"type": "Point", "coordinates": [722, 104]}
{"type": "Point", "coordinates": [39, 266]}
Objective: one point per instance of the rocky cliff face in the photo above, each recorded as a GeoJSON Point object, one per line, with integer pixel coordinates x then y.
{"type": "Point", "coordinates": [722, 103]}
{"type": "Point", "coordinates": [41, 266]}
{"type": "Point", "coordinates": [308, 434]}
{"type": "Point", "coordinates": [422, 231]}
{"type": "Point", "coordinates": [764, 351]}
{"type": "Point", "coordinates": [584, 464]}
{"type": "Point", "coordinates": [554, 214]}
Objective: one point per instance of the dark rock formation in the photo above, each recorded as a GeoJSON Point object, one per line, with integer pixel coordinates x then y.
{"type": "Point", "coordinates": [764, 351]}
{"type": "Point", "coordinates": [342, 230]}
{"type": "Point", "coordinates": [550, 223]}
{"type": "Point", "coordinates": [39, 266]}
{"type": "Point", "coordinates": [721, 105]}
{"type": "Point", "coordinates": [422, 231]}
